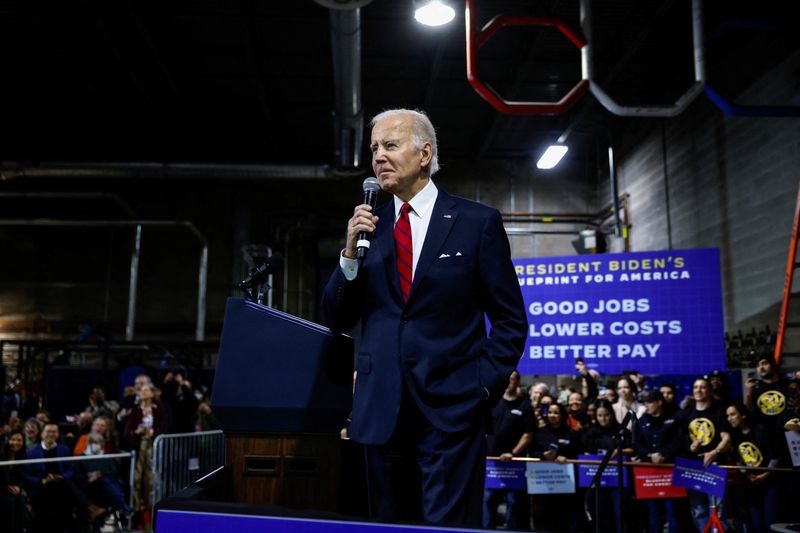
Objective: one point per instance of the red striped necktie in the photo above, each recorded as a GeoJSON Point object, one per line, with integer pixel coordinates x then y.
{"type": "Point", "coordinates": [403, 247]}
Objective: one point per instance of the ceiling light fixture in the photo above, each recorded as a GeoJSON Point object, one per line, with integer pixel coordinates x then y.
{"type": "Point", "coordinates": [551, 157]}
{"type": "Point", "coordinates": [433, 13]}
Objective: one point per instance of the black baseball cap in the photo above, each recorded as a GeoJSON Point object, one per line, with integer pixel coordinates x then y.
{"type": "Point", "coordinates": [651, 396]}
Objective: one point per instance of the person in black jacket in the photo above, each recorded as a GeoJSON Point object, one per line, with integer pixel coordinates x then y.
{"type": "Point", "coordinates": [13, 500]}
{"type": "Point", "coordinates": [658, 441]}
{"type": "Point", "coordinates": [599, 439]}
{"type": "Point", "coordinates": [556, 442]}
{"type": "Point", "coordinates": [513, 425]}
{"type": "Point", "coordinates": [758, 495]}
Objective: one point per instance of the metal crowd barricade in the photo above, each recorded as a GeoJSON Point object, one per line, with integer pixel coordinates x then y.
{"type": "Point", "coordinates": [74, 458]}
{"type": "Point", "coordinates": [179, 459]}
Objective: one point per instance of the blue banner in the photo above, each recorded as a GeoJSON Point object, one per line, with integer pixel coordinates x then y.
{"type": "Point", "coordinates": [689, 473]}
{"type": "Point", "coordinates": [509, 475]}
{"type": "Point", "coordinates": [655, 312]}
{"type": "Point", "coordinates": [172, 521]}
{"type": "Point", "coordinates": [586, 473]}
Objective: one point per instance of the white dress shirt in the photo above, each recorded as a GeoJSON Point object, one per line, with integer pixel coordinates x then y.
{"type": "Point", "coordinates": [419, 217]}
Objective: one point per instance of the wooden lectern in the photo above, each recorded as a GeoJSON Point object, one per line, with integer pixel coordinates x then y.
{"type": "Point", "coordinates": [282, 392]}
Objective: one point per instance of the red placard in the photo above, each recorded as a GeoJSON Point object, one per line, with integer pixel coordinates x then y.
{"type": "Point", "coordinates": [654, 483]}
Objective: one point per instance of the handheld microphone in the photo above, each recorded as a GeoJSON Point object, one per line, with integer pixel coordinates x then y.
{"type": "Point", "coordinates": [371, 188]}
{"type": "Point", "coordinates": [259, 275]}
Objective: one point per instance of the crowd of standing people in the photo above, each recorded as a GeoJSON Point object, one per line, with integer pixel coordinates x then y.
{"type": "Point", "coordinates": [708, 425]}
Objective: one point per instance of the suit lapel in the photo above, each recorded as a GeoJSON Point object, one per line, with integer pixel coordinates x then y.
{"type": "Point", "coordinates": [443, 218]}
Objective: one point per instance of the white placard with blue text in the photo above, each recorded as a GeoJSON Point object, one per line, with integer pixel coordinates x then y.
{"type": "Point", "coordinates": [550, 478]}
{"type": "Point", "coordinates": [656, 312]}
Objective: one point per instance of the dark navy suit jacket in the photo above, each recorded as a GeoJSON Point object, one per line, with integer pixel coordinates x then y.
{"type": "Point", "coordinates": [38, 471]}
{"type": "Point", "coordinates": [436, 342]}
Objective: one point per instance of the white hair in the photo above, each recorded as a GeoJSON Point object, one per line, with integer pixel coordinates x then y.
{"type": "Point", "coordinates": [422, 131]}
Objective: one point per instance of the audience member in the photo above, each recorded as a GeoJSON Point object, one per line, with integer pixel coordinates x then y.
{"type": "Point", "coordinates": [589, 388]}
{"type": "Point", "coordinates": [756, 499]}
{"type": "Point", "coordinates": [659, 440]}
{"type": "Point", "coordinates": [100, 425]}
{"type": "Point", "coordinates": [707, 438]}
{"type": "Point", "coordinates": [13, 500]}
{"type": "Point", "coordinates": [576, 414]}
{"type": "Point", "coordinates": [100, 477]}
{"type": "Point", "coordinates": [669, 393]}
{"type": "Point", "coordinates": [602, 438]}
{"type": "Point", "coordinates": [556, 442]}
{"type": "Point", "coordinates": [99, 405]}
{"type": "Point", "coordinates": [205, 419]}
{"type": "Point", "coordinates": [627, 391]}
{"type": "Point", "coordinates": [33, 431]}
{"type": "Point", "coordinates": [179, 397]}
{"type": "Point", "coordinates": [147, 420]}
{"type": "Point", "coordinates": [720, 388]}
{"type": "Point", "coordinates": [591, 413]}
{"type": "Point", "coordinates": [513, 424]}
{"type": "Point", "coordinates": [53, 493]}
{"type": "Point", "coordinates": [611, 395]}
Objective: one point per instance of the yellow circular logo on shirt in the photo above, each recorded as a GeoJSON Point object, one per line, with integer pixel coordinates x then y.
{"type": "Point", "coordinates": [750, 454]}
{"type": "Point", "coordinates": [772, 403]}
{"type": "Point", "coordinates": [792, 422]}
{"type": "Point", "coordinates": [701, 429]}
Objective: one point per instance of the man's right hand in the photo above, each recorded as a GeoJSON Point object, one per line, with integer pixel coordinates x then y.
{"type": "Point", "coordinates": [362, 220]}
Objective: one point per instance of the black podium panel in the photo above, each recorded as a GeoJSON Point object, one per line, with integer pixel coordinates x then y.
{"type": "Point", "coordinates": [277, 373]}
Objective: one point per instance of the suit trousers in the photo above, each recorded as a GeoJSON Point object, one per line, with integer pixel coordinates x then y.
{"type": "Point", "coordinates": [425, 474]}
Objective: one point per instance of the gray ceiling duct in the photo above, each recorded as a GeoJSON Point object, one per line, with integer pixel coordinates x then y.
{"type": "Point", "coordinates": [128, 170]}
{"type": "Point", "coordinates": [345, 20]}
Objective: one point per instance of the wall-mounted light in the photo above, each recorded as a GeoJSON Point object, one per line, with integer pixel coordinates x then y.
{"type": "Point", "coordinates": [433, 12]}
{"type": "Point", "coordinates": [551, 157]}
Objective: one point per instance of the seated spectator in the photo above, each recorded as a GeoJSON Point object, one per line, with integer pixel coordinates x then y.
{"type": "Point", "coordinates": [100, 477]}
{"type": "Point", "coordinates": [13, 500]}
{"type": "Point", "coordinates": [52, 491]}
{"type": "Point", "coordinates": [33, 431]}
{"type": "Point", "coordinates": [627, 390]}
{"type": "Point", "coordinates": [43, 416]}
{"type": "Point", "coordinates": [100, 425]}
{"type": "Point", "coordinates": [83, 424]}
{"type": "Point", "coordinates": [99, 405]}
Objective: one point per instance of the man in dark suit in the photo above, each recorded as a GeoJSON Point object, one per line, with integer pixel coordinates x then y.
{"type": "Point", "coordinates": [427, 371]}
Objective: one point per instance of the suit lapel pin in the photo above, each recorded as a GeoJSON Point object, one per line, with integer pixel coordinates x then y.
{"type": "Point", "coordinates": [447, 216]}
